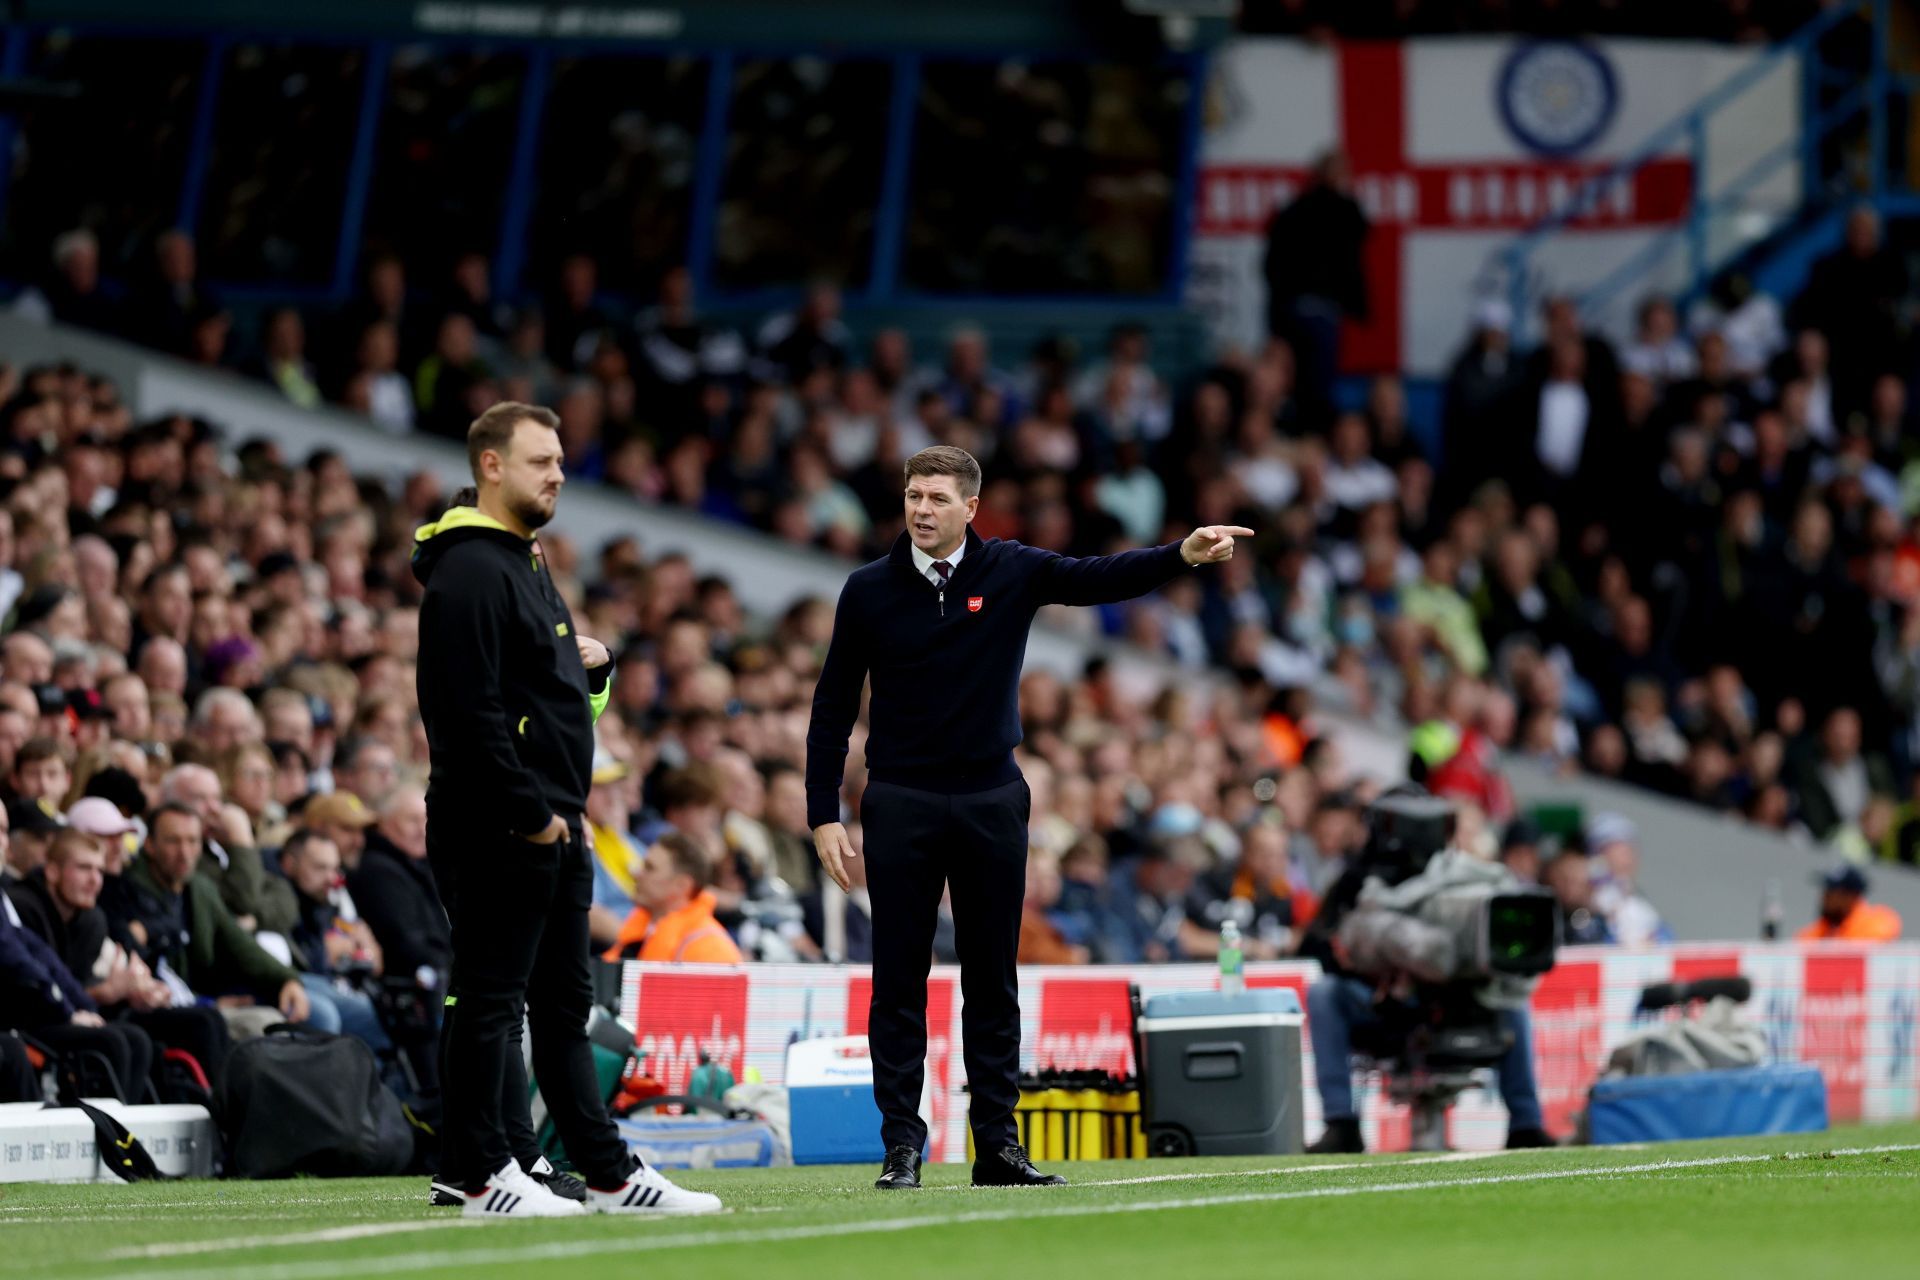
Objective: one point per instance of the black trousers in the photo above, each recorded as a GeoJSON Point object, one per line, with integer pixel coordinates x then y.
{"type": "Point", "coordinates": [126, 1048]}
{"type": "Point", "coordinates": [516, 1113]}
{"type": "Point", "coordinates": [194, 1029]}
{"type": "Point", "coordinates": [916, 844]}
{"type": "Point", "coordinates": [19, 1082]}
{"type": "Point", "coordinates": [520, 944]}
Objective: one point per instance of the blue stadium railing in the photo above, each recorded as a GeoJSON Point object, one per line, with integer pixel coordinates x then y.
{"type": "Point", "coordinates": [884, 287]}
{"type": "Point", "coordinates": [1834, 99]}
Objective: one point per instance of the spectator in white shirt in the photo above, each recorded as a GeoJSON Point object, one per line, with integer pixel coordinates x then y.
{"type": "Point", "coordinates": [1657, 350]}
{"type": "Point", "coordinates": [1353, 477]}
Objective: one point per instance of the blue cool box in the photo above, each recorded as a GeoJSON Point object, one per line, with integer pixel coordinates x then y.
{"type": "Point", "coordinates": [830, 1100]}
{"type": "Point", "coordinates": [1709, 1104]}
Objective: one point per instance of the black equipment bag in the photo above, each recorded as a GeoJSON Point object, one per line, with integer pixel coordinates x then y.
{"type": "Point", "coordinates": [297, 1101]}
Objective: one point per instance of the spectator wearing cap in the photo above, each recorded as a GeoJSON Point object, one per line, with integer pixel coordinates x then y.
{"type": "Point", "coordinates": [616, 858]}
{"type": "Point", "coordinates": [1521, 850]}
{"type": "Point", "coordinates": [33, 825]}
{"type": "Point", "coordinates": [1845, 913]}
{"type": "Point", "coordinates": [673, 919]}
{"type": "Point", "coordinates": [1613, 843]}
{"type": "Point", "coordinates": [232, 862]}
{"type": "Point", "coordinates": [50, 700]}
{"type": "Point", "coordinates": [121, 788]}
{"type": "Point", "coordinates": [340, 816]}
{"type": "Point", "coordinates": [99, 817]}
{"type": "Point", "coordinates": [92, 719]}
{"type": "Point", "coordinates": [174, 916]}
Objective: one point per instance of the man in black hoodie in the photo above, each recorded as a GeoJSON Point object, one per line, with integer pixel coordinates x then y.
{"type": "Point", "coordinates": [509, 709]}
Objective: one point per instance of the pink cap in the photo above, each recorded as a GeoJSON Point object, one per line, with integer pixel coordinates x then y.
{"type": "Point", "coordinates": [98, 816]}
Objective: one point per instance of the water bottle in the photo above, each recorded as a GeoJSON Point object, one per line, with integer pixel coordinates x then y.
{"type": "Point", "coordinates": [1233, 974]}
{"type": "Point", "coordinates": [1772, 914]}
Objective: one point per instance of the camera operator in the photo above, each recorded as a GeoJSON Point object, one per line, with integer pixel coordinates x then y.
{"type": "Point", "coordinates": [1406, 828]}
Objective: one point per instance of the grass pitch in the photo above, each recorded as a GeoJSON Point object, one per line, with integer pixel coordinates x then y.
{"type": "Point", "coordinates": [1839, 1204]}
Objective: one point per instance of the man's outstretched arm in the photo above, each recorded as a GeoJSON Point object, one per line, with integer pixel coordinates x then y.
{"type": "Point", "coordinates": [1109, 579]}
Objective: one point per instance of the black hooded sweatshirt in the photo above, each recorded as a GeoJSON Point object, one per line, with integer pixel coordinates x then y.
{"type": "Point", "coordinates": [508, 706]}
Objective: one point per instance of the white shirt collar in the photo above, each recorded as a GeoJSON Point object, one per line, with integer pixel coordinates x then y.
{"type": "Point", "coordinates": [923, 563]}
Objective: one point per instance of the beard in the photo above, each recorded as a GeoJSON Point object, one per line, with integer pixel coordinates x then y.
{"type": "Point", "coordinates": [532, 512]}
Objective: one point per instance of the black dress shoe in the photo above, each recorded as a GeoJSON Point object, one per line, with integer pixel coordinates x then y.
{"type": "Point", "coordinates": [1342, 1138]}
{"type": "Point", "coordinates": [1009, 1167]}
{"type": "Point", "coordinates": [902, 1172]}
{"type": "Point", "coordinates": [1523, 1139]}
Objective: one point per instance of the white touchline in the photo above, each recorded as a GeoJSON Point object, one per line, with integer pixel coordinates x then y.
{"type": "Point", "coordinates": [560, 1249]}
{"type": "Point", "coordinates": [112, 1194]}
{"type": "Point", "coordinates": [329, 1235]}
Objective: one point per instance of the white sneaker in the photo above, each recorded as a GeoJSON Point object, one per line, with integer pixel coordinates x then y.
{"type": "Point", "coordinates": [647, 1190]}
{"type": "Point", "coordinates": [510, 1193]}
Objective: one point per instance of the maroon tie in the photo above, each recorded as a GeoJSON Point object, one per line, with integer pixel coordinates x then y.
{"type": "Point", "coordinates": [942, 568]}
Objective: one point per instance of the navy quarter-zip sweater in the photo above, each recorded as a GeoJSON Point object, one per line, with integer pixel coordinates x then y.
{"type": "Point", "coordinates": [945, 664]}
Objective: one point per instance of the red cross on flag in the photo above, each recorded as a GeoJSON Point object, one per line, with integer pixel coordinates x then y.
{"type": "Point", "coordinates": [1456, 146]}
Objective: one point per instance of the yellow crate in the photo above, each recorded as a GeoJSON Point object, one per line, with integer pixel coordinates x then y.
{"type": "Point", "coordinates": [1078, 1124]}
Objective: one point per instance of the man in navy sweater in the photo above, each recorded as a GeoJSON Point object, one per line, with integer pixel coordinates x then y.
{"type": "Point", "coordinates": [940, 626]}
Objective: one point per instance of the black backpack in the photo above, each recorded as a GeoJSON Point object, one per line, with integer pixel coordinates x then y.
{"type": "Point", "coordinates": [297, 1101]}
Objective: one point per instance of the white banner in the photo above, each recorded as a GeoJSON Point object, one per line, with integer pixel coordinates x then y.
{"type": "Point", "coordinates": [1853, 1010]}
{"type": "Point", "coordinates": [1456, 146]}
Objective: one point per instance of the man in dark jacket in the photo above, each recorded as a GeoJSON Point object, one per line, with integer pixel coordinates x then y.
{"type": "Point", "coordinates": [394, 891]}
{"type": "Point", "coordinates": [509, 711]}
{"type": "Point", "coordinates": [1316, 275]}
{"type": "Point", "coordinates": [176, 917]}
{"type": "Point", "coordinates": [38, 995]}
{"type": "Point", "coordinates": [940, 626]}
{"type": "Point", "coordinates": [61, 903]}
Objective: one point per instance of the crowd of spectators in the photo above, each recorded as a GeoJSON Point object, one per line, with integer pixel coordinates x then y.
{"type": "Point", "coordinates": [1688, 561]}
{"type": "Point", "coordinates": [212, 758]}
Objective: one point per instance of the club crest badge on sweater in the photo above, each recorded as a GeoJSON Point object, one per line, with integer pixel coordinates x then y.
{"type": "Point", "coordinates": [974, 603]}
